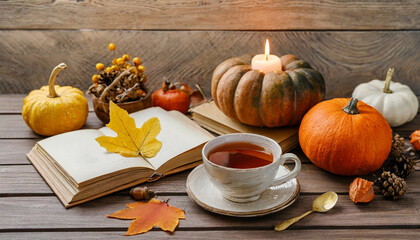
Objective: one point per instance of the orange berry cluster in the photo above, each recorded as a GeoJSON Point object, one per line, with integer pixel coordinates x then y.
{"type": "Point", "coordinates": [119, 64]}
{"type": "Point", "coordinates": [129, 87]}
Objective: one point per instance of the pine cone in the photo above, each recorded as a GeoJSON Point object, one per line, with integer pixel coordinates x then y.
{"type": "Point", "coordinates": [402, 166]}
{"type": "Point", "coordinates": [390, 185]}
{"type": "Point", "coordinates": [397, 148]}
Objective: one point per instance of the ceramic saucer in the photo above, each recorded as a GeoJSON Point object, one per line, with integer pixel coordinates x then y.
{"type": "Point", "coordinates": [201, 190]}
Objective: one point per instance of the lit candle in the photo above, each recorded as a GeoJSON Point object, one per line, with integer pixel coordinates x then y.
{"type": "Point", "coordinates": [266, 62]}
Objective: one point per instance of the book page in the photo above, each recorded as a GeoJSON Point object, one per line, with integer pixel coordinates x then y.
{"type": "Point", "coordinates": [178, 133]}
{"type": "Point", "coordinates": [83, 158]}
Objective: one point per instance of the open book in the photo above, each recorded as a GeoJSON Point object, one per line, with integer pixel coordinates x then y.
{"type": "Point", "coordinates": [211, 118]}
{"type": "Point", "coordinates": [78, 169]}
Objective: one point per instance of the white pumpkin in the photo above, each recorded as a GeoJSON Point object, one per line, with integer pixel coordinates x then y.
{"type": "Point", "coordinates": [397, 103]}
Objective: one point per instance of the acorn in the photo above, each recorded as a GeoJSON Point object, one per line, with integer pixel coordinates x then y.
{"type": "Point", "coordinates": [141, 193]}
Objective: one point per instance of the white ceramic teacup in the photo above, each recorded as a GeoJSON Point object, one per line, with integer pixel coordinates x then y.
{"type": "Point", "coordinates": [246, 185]}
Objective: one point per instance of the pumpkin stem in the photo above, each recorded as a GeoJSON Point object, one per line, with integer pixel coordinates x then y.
{"type": "Point", "coordinates": [388, 80]}
{"type": "Point", "coordinates": [351, 107]}
{"type": "Point", "coordinates": [166, 85]}
{"type": "Point", "coordinates": [51, 82]}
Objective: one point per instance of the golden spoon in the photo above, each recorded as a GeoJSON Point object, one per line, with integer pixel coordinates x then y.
{"type": "Point", "coordinates": [322, 203]}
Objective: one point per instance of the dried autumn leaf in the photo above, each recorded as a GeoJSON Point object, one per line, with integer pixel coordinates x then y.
{"type": "Point", "coordinates": [150, 214]}
{"type": "Point", "coordinates": [131, 141]}
{"type": "Point", "coordinates": [198, 97]}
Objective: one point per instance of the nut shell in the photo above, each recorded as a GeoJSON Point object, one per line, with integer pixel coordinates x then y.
{"type": "Point", "coordinates": [141, 193]}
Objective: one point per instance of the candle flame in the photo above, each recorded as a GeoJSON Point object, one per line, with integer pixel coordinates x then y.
{"type": "Point", "coordinates": [267, 49]}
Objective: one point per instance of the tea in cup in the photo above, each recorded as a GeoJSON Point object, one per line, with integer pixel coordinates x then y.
{"type": "Point", "coordinates": [243, 165]}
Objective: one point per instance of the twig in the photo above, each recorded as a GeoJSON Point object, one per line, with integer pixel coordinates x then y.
{"type": "Point", "coordinates": [114, 83]}
{"type": "Point", "coordinates": [123, 95]}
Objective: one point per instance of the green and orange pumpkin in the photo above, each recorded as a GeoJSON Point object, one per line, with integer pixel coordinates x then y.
{"type": "Point", "coordinates": [273, 99]}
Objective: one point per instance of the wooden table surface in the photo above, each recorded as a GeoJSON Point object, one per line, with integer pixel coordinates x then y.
{"type": "Point", "coordinates": [29, 209]}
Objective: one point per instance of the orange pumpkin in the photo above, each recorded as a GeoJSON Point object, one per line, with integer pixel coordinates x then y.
{"type": "Point", "coordinates": [272, 99]}
{"type": "Point", "coordinates": [345, 137]}
{"type": "Point", "coordinates": [171, 98]}
{"type": "Point", "coordinates": [415, 140]}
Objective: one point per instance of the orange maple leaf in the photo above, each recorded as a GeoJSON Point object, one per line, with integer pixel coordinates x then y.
{"type": "Point", "coordinates": [150, 214]}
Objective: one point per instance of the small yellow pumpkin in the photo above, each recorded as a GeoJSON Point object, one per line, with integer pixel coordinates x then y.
{"type": "Point", "coordinates": [53, 109]}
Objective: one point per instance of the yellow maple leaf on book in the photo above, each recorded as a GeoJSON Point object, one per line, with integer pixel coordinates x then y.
{"type": "Point", "coordinates": [131, 141]}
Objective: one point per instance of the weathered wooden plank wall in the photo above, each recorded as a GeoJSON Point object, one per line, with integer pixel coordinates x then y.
{"type": "Point", "coordinates": [348, 41]}
{"type": "Point", "coordinates": [344, 58]}
{"type": "Point", "coordinates": [210, 14]}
